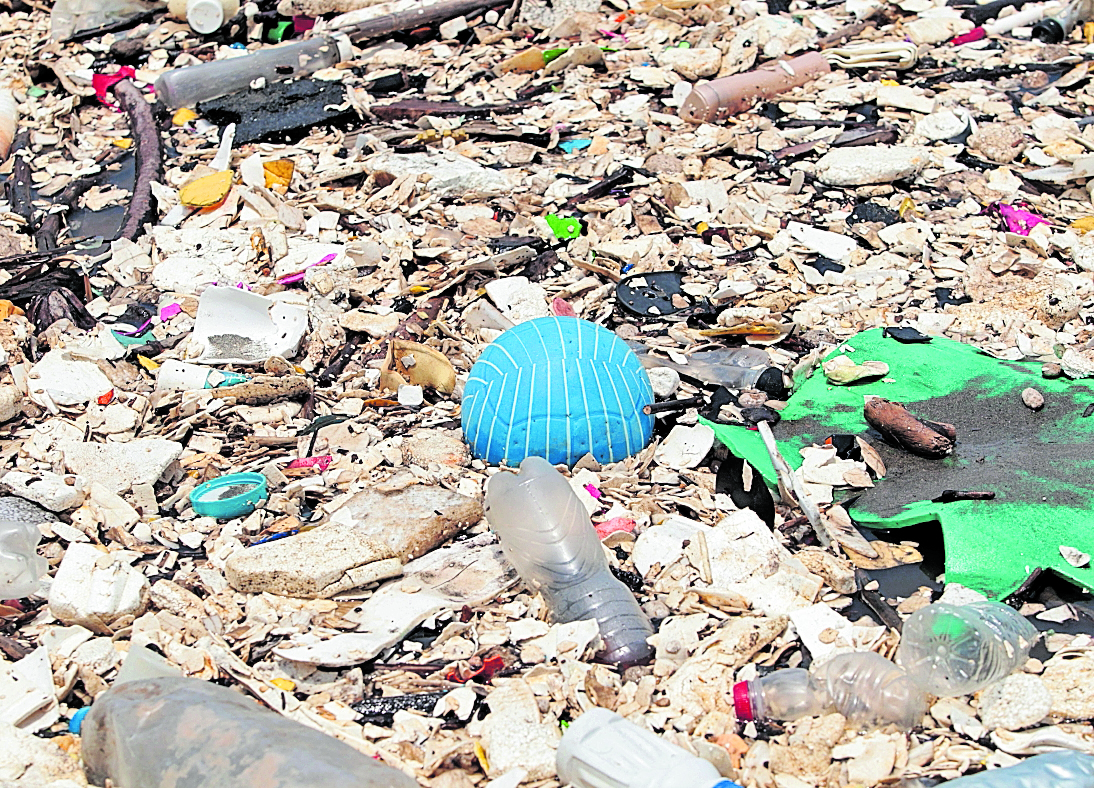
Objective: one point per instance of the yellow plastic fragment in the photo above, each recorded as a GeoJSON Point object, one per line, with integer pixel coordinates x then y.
{"type": "Point", "coordinates": [890, 82]}
{"type": "Point", "coordinates": [1088, 32]}
{"type": "Point", "coordinates": [1084, 225]}
{"type": "Point", "coordinates": [278, 173]}
{"type": "Point", "coordinates": [284, 684]}
{"type": "Point", "coordinates": [124, 144]}
{"type": "Point", "coordinates": [147, 363]}
{"type": "Point", "coordinates": [528, 60]}
{"type": "Point", "coordinates": [183, 116]}
{"type": "Point", "coordinates": [907, 207]}
{"type": "Point", "coordinates": [7, 309]}
{"type": "Point", "coordinates": [206, 190]}
{"type": "Point", "coordinates": [480, 753]}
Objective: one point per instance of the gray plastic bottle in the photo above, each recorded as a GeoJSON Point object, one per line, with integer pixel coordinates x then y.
{"type": "Point", "coordinates": [547, 535]}
{"type": "Point", "coordinates": [951, 650]}
{"type": "Point", "coordinates": [188, 733]}
{"type": "Point", "coordinates": [1065, 769]}
{"type": "Point", "coordinates": [20, 565]}
{"type": "Point", "coordinates": [187, 86]}
{"type": "Point", "coordinates": [864, 687]}
{"type": "Point", "coordinates": [603, 750]}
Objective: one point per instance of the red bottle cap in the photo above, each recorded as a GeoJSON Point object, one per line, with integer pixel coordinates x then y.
{"type": "Point", "coordinates": [742, 705]}
{"type": "Point", "coordinates": [975, 34]}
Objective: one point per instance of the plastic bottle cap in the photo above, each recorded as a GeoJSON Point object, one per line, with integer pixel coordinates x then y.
{"type": "Point", "coordinates": [205, 16]}
{"type": "Point", "coordinates": [742, 704]}
{"type": "Point", "coordinates": [76, 722]}
{"type": "Point", "coordinates": [345, 47]}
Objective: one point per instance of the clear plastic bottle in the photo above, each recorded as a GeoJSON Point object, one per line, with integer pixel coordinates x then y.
{"type": "Point", "coordinates": [735, 368]}
{"type": "Point", "coordinates": [547, 535]}
{"type": "Point", "coordinates": [863, 686]}
{"type": "Point", "coordinates": [1065, 769]}
{"type": "Point", "coordinates": [20, 565]}
{"type": "Point", "coordinates": [189, 733]}
{"type": "Point", "coordinates": [190, 85]}
{"type": "Point", "coordinates": [953, 650]}
{"type": "Point", "coordinates": [603, 750]}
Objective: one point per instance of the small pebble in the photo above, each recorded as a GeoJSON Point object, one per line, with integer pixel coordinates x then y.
{"type": "Point", "coordinates": [664, 380]}
{"type": "Point", "coordinates": [1033, 399]}
{"type": "Point", "coordinates": [1051, 371]}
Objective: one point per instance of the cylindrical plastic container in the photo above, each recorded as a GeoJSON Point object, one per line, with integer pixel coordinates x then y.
{"type": "Point", "coordinates": [603, 750]}
{"type": "Point", "coordinates": [20, 565]}
{"type": "Point", "coordinates": [732, 95]}
{"type": "Point", "coordinates": [188, 733]}
{"type": "Point", "coordinates": [953, 650]}
{"type": "Point", "coordinates": [186, 87]}
{"type": "Point", "coordinates": [546, 533]}
{"type": "Point", "coordinates": [863, 686]}
{"type": "Point", "coordinates": [180, 376]}
{"type": "Point", "coordinates": [1064, 769]}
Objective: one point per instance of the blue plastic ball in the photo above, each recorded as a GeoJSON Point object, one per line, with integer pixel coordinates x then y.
{"type": "Point", "coordinates": [557, 388]}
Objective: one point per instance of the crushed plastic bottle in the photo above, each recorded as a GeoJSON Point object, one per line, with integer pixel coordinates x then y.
{"type": "Point", "coordinates": [1066, 769]}
{"type": "Point", "coordinates": [603, 750]}
{"type": "Point", "coordinates": [863, 686]}
{"type": "Point", "coordinates": [189, 733]}
{"type": "Point", "coordinates": [735, 368]}
{"type": "Point", "coordinates": [178, 375]}
{"type": "Point", "coordinates": [20, 565]}
{"type": "Point", "coordinates": [547, 535]}
{"type": "Point", "coordinates": [951, 650]}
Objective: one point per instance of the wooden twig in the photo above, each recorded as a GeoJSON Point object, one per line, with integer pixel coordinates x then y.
{"type": "Point", "coordinates": [19, 183]}
{"type": "Point", "coordinates": [149, 158]}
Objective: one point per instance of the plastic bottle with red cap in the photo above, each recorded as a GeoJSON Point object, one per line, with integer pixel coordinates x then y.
{"type": "Point", "coordinates": [864, 687]}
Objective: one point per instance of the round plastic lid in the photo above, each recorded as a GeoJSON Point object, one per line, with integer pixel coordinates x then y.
{"type": "Point", "coordinates": [742, 706]}
{"type": "Point", "coordinates": [205, 16]}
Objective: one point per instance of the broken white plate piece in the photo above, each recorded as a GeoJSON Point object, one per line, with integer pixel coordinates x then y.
{"type": "Point", "coordinates": [1074, 556]}
{"type": "Point", "coordinates": [58, 379]}
{"type": "Point", "coordinates": [236, 326]}
{"type": "Point", "coordinates": [685, 447]}
{"type": "Point", "coordinates": [27, 695]}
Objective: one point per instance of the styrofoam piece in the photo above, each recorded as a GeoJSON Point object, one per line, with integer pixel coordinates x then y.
{"type": "Point", "coordinates": [236, 326]}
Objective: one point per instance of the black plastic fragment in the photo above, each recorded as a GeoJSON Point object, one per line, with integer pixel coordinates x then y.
{"type": "Point", "coordinates": [381, 711]}
{"type": "Point", "coordinates": [905, 334]}
{"type": "Point", "coordinates": [846, 446]}
{"type": "Point", "coordinates": [651, 295]}
{"type": "Point", "coordinates": [824, 265]}
{"type": "Point", "coordinates": [944, 296]}
{"type": "Point", "coordinates": [874, 212]}
{"type": "Point", "coordinates": [282, 111]}
{"type": "Point", "coordinates": [745, 487]}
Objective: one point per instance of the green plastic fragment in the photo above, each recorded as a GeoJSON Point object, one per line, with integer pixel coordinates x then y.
{"type": "Point", "coordinates": [278, 31]}
{"type": "Point", "coordinates": [564, 227]}
{"type": "Point", "coordinates": [1040, 470]}
{"type": "Point", "coordinates": [36, 92]}
{"type": "Point", "coordinates": [551, 54]}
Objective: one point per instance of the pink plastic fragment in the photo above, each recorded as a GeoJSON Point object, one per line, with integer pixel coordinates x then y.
{"type": "Point", "coordinates": [613, 525]}
{"type": "Point", "coordinates": [299, 275]}
{"type": "Point", "coordinates": [561, 308]}
{"type": "Point", "coordinates": [592, 490]}
{"type": "Point", "coordinates": [312, 462]}
{"type": "Point", "coordinates": [169, 312]}
{"type": "Point", "coordinates": [1019, 221]}
{"type": "Point", "coordinates": [103, 82]}
{"type": "Point", "coordinates": [975, 34]}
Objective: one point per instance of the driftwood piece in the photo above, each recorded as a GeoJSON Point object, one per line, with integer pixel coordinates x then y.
{"type": "Point", "coordinates": [925, 438]}
{"type": "Point", "coordinates": [149, 158]}
{"type": "Point", "coordinates": [18, 184]}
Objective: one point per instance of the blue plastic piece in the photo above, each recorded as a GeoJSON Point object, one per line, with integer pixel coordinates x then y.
{"type": "Point", "coordinates": [207, 501]}
{"type": "Point", "coordinates": [569, 146]}
{"type": "Point", "coordinates": [77, 720]}
{"type": "Point", "coordinates": [557, 388]}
